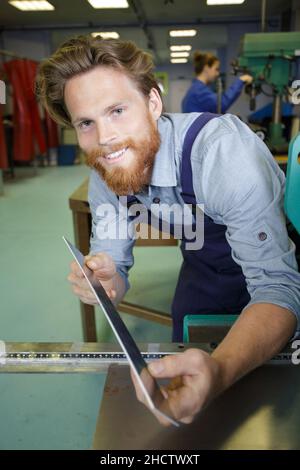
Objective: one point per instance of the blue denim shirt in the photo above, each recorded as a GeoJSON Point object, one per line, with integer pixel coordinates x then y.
{"type": "Point", "coordinates": [200, 98]}
{"type": "Point", "coordinates": [241, 186]}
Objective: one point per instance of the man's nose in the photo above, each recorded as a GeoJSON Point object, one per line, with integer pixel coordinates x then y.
{"type": "Point", "coordinates": [106, 133]}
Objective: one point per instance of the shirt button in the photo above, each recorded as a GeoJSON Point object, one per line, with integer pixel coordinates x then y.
{"type": "Point", "coordinates": [262, 236]}
{"type": "Point", "coordinates": [156, 200]}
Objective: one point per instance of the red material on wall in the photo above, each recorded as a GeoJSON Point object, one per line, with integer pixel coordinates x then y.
{"type": "Point", "coordinates": [31, 70]}
{"type": "Point", "coordinates": [3, 150]}
{"type": "Point", "coordinates": [28, 129]}
{"type": "Point", "coordinates": [23, 145]}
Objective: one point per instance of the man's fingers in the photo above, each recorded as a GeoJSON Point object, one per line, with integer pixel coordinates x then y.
{"type": "Point", "coordinates": [88, 301]}
{"type": "Point", "coordinates": [112, 294]}
{"type": "Point", "coordinates": [87, 293]}
{"type": "Point", "coordinates": [187, 363]}
{"type": "Point", "coordinates": [102, 265]}
{"type": "Point", "coordinates": [77, 281]}
{"type": "Point", "coordinates": [104, 268]}
{"type": "Point", "coordinates": [138, 391]}
{"type": "Point", "coordinates": [186, 394]}
{"type": "Point", "coordinates": [75, 269]}
{"type": "Point", "coordinates": [175, 383]}
{"type": "Point", "coordinates": [93, 262]}
{"type": "Point", "coordinates": [179, 401]}
{"type": "Point", "coordinates": [188, 420]}
{"type": "Point", "coordinates": [84, 293]}
{"type": "Point", "coordinates": [183, 403]}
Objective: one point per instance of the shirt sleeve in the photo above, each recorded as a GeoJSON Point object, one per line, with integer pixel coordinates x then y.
{"type": "Point", "coordinates": [243, 188]}
{"type": "Point", "coordinates": [207, 99]}
{"type": "Point", "coordinates": [110, 224]}
{"type": "Point", "coordinates": [200, 98]}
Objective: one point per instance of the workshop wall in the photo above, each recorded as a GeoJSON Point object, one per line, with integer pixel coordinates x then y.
{"type": "Point", "coordinates": [40, 44]}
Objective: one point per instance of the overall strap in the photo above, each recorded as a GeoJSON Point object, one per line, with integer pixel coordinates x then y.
{"type": "Point", "coordinates": [187, 193]}
{"type": "Point", "coordinates": [130, 199]}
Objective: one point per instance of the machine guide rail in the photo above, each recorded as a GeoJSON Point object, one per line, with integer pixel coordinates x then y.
{"type": "Point", "coordinates": [90, 357]}
{"type": "Point", "coordinates": [72, 357]}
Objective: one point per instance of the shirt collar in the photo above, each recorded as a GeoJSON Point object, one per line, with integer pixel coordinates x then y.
{"type": "Point", "coordinates": [164, 169]}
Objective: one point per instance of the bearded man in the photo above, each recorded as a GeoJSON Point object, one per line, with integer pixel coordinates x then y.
{"type": "Point", "coordinates": [106, 90]}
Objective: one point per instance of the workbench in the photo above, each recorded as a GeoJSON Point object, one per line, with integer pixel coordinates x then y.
{"type": "Point", "coordinates": [261, 411]}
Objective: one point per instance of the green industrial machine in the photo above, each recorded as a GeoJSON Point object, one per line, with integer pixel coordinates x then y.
{"type": "Point", "coordinates": [271, 58]}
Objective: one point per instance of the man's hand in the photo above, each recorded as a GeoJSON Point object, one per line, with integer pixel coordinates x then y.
{"type": "Point", "coordinates": [195, 381]}
{"type": "Point", "coordinates": [247, 79]}
{"type": "Point", "coordinates": [260, 332]}
{"type": "Point", "coordinates": [104, 268]}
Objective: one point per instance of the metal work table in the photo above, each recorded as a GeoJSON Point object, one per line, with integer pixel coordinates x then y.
{"type": "Point", "coordinates": [259, 412]}
{"type": "Point", "coordinates": [262, 411]}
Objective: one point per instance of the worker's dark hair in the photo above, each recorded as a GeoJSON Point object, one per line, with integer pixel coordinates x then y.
{"type": "Point", "coordinates": [83, 53]}
{"type": "Point", "coordinates": [200, 60]}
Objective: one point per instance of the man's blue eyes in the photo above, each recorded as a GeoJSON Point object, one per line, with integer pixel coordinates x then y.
{"type": "Point", "coordinates": [85, 124]}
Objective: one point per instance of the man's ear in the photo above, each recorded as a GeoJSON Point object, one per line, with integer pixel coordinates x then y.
{"type": "Point", "coordinates": [155, 104]}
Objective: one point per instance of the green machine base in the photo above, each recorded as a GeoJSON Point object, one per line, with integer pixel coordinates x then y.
{"type": "Point", "coordinates": [206, 328]}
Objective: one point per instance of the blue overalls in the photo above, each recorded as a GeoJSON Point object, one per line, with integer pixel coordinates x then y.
{"type": "Point", "coordinates": [210, 282]}
{"type": "Point", "coordinates": [200, 97]}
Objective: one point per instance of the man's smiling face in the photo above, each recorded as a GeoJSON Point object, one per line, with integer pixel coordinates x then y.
{"type": "Point", "coordinates": [116, 126]}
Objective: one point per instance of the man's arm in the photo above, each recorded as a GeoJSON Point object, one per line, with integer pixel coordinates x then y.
{"type": "Point", "coordinates": [242, 188]}
{"type": "Point", "coordinates": [197, 378]}
{"type": "Point", "coordinates": [260, 332]}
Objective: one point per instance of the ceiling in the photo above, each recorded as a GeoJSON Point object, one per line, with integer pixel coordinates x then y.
{"type": "Point", "coordinates": [147, 22]}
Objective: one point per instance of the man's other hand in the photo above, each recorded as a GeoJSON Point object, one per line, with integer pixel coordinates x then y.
{"type": "Point", "coordinates": [104, 269]}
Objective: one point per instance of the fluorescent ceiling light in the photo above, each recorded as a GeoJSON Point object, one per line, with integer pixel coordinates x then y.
{"type": "Point", "coordinates": [181, 33]}
{"type": "Point", "coordinates": [179, 54]}
{"type": "Point", "coordinates": [179, 61]}
{"type": "Point", "coordinates": [107, 34]}
{"type": "Point", "coordinates": [109, 3]}
{"type": "Point", "coordinates": [224, 2]}
{"type": "Point", "coordinates": [181, 48]}
{"type": "Point", "coordinates": [32, 5]}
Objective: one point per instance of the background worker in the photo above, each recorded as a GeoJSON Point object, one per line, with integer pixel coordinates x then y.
{"type": "Point", "coordinates": [200, 97]}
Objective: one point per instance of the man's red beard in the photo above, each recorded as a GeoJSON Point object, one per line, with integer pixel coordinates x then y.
{"type": "Point", "coordinates": [123, 181]}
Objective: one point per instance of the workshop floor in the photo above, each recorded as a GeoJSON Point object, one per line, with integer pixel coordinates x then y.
{"type": "Point", "coordinates": [59, 411]}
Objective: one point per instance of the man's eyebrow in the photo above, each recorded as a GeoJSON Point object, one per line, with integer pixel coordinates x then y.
{"type": "Point", "coordinates": [106, 110]}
